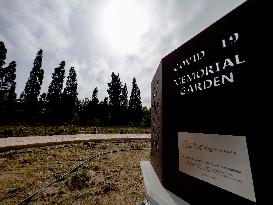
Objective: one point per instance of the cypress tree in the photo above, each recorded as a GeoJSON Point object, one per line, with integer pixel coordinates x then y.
{"type": "Point", "coordinates": [3, 53]}
{"type": "Point", "coordinates": [114, 92]}
{"type": "Point", "coordinates": [7, 92]}
{"type": "Point", "coordinates": [10, 82]}
{"type": "Point", "coordinates": [95, 99]}
{"type": "Point", "coordinates": [29, 96]}
{"type": "Point", "coordinates": [104, 111]}
{"type": "Point", "coordinates": [33, 86]}
{"type": "Point", "coordinates": [54, 94]}
{"type": "Point", "coordinates": [84, 110]}
{"type": "Point", "coordinates": [7, 85]}
{"type": "Point", "coordinates": [124, 104]}
{"type": "Point", "coordinates": [93, 112]}
{"type": "Point", "coordinates": [70, 96]}
{"type": "Point", "coordinates": [135, 105]}
{"type": "Point", "coordinates": [42, 106]}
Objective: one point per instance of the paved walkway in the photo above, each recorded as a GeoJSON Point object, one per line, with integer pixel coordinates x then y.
{"type": "Point", "coordinates": [10, 143]}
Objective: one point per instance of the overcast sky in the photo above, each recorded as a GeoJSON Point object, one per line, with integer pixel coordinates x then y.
{"type": "Point", "coordinates": [99, 37]}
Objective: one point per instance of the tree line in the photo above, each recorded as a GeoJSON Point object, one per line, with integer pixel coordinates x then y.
{"type": "Point", "coordinates": [61, 105]}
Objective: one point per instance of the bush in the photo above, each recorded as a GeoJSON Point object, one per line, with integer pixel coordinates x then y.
{"type": "Point", "coordinates": [59, 131]}
{"type": "Point", "coordinates": [8, 133]}
{"type": "Point", "coordinates": [79, 179]}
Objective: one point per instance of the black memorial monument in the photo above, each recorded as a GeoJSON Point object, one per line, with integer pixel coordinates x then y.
{"type": "Point", "coordinates": [209, 85]}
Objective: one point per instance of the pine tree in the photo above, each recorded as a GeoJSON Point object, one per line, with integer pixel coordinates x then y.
{"type": "Point", "coordinates": [83, 110]}
{"type": "Point", "coordinates": [7, 85]}
{"type": "Point", "coordinates": [105, 101]}
{"type": "Point", "coordinates": [93, 112]}
{"type": "Point", "coordinates": [3, 52]}
{"type": "Point", "coordinates": [124, 97]}
{"type": "Point", "coordinates": [42, 106]}
{"type": "Point", "coordinates": [29, 96]}
{"type": "Point", "coordinates": [10, 82]}
{"type": "Point", "coordinates": [114, 92]}
{"type": "Point", "coordinates": [103, 111]}
{"type": "Point", "coordinates": [54, 94]}
{"type": "Point", "coordinates": [146, 117]}
{"type": "Point", "coordinates": [33, 86]}
{"type": "Point", "coordinates": [70, 96]}
{"type": "Point", "coordinates": [95, 99]}
{"type": "Point", "coordinates": [124, 104]}
{"type": "Point", "coordinates": [135, 105]}
{"type": "Point", "coordinates": [7, 92]}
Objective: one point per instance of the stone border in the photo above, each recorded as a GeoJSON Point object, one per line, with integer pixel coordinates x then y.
{"type": "Point", "coordinates": [12, 143]}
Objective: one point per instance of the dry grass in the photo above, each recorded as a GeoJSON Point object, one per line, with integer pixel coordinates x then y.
{"type": "Point", "coordinates": [113, 178]}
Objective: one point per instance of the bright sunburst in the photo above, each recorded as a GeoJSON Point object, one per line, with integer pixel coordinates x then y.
{"type": "Point", "coordinates": [123, 23]}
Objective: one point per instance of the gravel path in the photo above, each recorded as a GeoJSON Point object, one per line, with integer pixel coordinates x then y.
{"type": "Point", "coordinates": [11, 143]}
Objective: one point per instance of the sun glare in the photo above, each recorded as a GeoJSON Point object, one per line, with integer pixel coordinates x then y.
{"type": "Point", "coordinates": [123, 23]}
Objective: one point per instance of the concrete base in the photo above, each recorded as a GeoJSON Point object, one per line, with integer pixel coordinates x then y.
{"type": "Point", "coordinates": [156, 194]}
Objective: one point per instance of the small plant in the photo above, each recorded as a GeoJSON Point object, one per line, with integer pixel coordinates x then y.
{"type": "Point", "coordinates": [59, 131]}
{"type": "Point", "coordinates": [23, 131]}
{"type": "Point", "coordinates": [8, 133]}
{"type": "Point", "coordinates": [108, 187]}
{"type": "Point", "coordinates": [79, 179]}
{"type": "Point", "coordinates": [94, 130]}
{"type": "Point", "coordinates": [72, 130]}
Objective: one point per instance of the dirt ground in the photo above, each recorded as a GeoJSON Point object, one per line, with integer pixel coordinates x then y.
{"type": "Point", "coordinates": [111, 176]}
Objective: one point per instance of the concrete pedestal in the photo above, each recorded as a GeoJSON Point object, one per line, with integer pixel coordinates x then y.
{"type": "Point", "coordinates": [156, 194]}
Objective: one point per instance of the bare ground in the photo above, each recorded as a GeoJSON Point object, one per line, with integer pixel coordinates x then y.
{"type": "Point", "coordinates": [111, 176]}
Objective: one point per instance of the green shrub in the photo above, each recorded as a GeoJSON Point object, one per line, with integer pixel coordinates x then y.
{"type": "Point", "coordinates": [59, 131]}
{"type": "Point", "coordinates": [8, 133]}
{"type": "Point", "coordinates": [79, 179]}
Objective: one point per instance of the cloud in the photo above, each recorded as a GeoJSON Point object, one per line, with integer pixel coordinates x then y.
{"type": "Point", "coordinates": [74, 31]}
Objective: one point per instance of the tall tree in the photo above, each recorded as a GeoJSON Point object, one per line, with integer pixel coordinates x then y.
{"type": "Point", "coordinates": [104, 111]}
{"type": "Point", "coordinates": [10, 75]}
{"type": "Point", "coordinates": [124, 104]}
{"type": "Point", "coordinates": [105, 101]}
{"type": "Point", "coordinates": [146, 117]}
{"type": "Point", "coordinates": [95, 99]}
{"type": "Point", "coordinates": [54, 94]}
{"type": "Point", "coordinates": [3, 53]}
{"type": "Point", "coordinates": [70, 94]}
{"type": "Point", "coordinates": [29, 97]}
{"type": "Point", "coordinates": [34, 82]}
{"type": "Point", "coordinates": [93, 112]}
{"type": "Point", "coordinates": [114, 92]}
{"type": "Point", "coordinates": [42, 107]}
{"type": "Point", "coordinates": [84, 110]}
{"type": "Point", "coordinates": [10, 83]}
{"type": "Point", "coordinates": [7, 85]}
{"type": "Point", "coordinates": [124, 97]}
{"type": "Point", "coordinates": [135, 104]}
